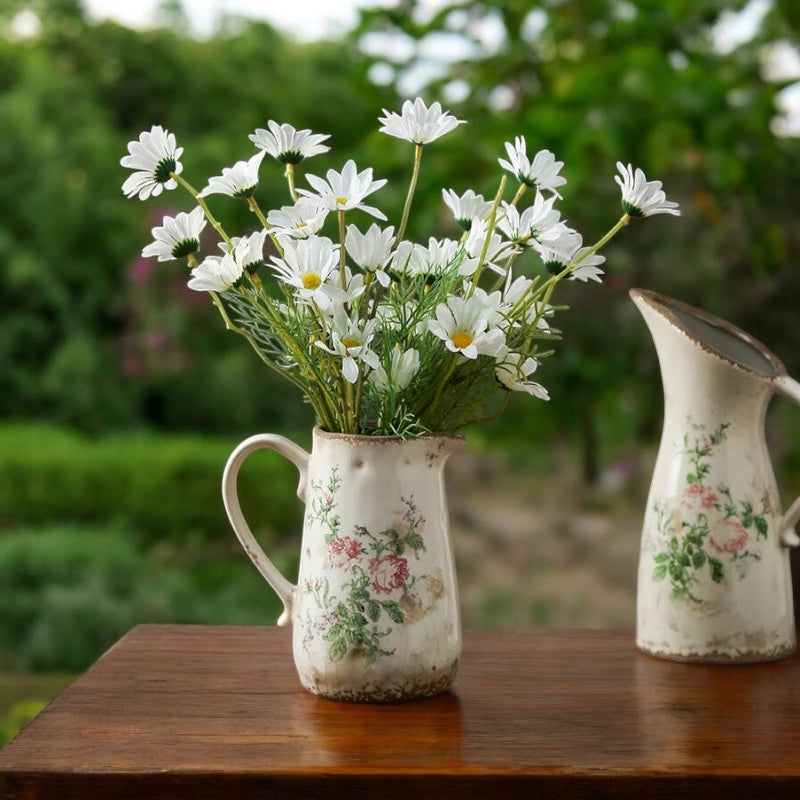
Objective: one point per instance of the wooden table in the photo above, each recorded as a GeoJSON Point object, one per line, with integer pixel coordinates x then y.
{"type": "Point", "coordinates": [217, 712]}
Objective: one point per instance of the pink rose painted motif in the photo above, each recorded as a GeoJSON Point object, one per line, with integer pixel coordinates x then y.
{"type": "Point", "coordinates": [696, 495]}
{"type": "Point", "coordinates": [718, 530]}
{"type": "Point", "coordinates": [340, 551]}
{"type": "Point", "coordinates": [729, 537]}
{"type": "Point", "coordinates": [388, 573]}
{"type": "Point", "coordinates": [376, 575]}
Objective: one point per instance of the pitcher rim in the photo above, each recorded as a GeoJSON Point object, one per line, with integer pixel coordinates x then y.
{"type": "Point", "coordinates": [319, 431]}
{"type": "Point", "coordinates": [661, 303]}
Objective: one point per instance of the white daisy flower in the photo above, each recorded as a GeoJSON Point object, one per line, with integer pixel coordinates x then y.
{"type": "Point", "coordinates": [372, 250]}
{"type": "Point", "coordinates": [418, 124]}
{"type": "Point", "coordinates": [288, 145]}
{"type": "Point", "coordinates": [415, 259]}
{"type": "Point", "coordinates": [567, 249]}
{"type": "Point", "coordinates": [155, 158]}
{"type": "Point", "coordinates": [345, 190]}
{"type": "Point", "coordinates": [216, 273]}
{"type": "Point", "coordinates": [306, 265]}
{"type": "Point", "coordinates": [351, 343]}
{"type": "Point", "coordinates": [249, 250]}
{"type": "Point", "coordinates": [353, 288]}
{"type": "Point", "coordinates": [494, 306]}
{"type": "Point", "coordinates": [588, 269]}
{"type": "Point", "coordinates": [240, 180]}
{"type": "Point", "coordinates": [512, 373]}
{"type": "Point", "coordinates": [474, 244]}
{"type": "Point", "coordinates": [515, 289]}
{"type": "Point", "coordinates": [299, 221]}
{"type": "Point", "coordinates": [462, 326]}
{"type": "Point", "coordinates": [541, 173]}
{"type": "Point", "coordinates": [404, 366]}
{"type": "Point", "coordinates": [179, 236]}
{"type": "Point", "coordinates": [540, 222]}
{"type": "Point", "coordinates": [466, 208]}
{"type": "Point", "coordinates": [640, 197]}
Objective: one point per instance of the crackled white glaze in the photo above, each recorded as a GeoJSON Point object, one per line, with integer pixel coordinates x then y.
{"type": "Point", "coordinates": [375, 610]}
{"type": "Point", "coordinates": [714, 582]}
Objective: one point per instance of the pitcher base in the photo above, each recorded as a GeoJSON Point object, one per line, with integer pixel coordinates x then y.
{"type": "Point", "coordinates": [400, 689]}
{"type": "Point", "coordinates": [720, 656]}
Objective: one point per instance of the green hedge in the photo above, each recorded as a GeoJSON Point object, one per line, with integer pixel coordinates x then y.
{"type": "Point", "coordinates": [71, 593]}
{"type": "Point", "coordinates": [166, 488]}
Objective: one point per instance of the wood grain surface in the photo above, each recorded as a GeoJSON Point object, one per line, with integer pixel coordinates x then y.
{"type": "Point", "coordinates": [217, 712]}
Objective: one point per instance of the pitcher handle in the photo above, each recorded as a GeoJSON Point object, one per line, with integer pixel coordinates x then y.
{"type": "Point", "coordinates": [789, 537]}
{"type": "Point", "coordinates": [790, 389]}
{"type": "Point", "coordinates": [230, 498]}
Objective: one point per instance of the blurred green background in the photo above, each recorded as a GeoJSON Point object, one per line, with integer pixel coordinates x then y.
{"type": "Point", "coordinates": [120, 393]}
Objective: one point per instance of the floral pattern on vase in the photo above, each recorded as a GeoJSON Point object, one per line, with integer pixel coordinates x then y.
{"type": "Point", "coordinates": [374, 586]}
{"type": "Point", "coordinates": [709, 530]}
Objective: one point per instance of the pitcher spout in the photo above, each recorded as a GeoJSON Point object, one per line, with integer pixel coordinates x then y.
{"type": "Point", "coordinates": [677, 327]}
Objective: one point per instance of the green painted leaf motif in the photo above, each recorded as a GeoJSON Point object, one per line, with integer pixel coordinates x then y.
{"type": "Point", "coordinates": [373, 610]}
{"type": "Point", "coordinates": [393, 610]}
{"type": "Point", "coordinates": [334, 632]}
{"type": "Point", "coordinates": [343, 613]}
{"type": "Point", "coordinates": [660, 572]}
{"type": "Point", "coordinates": [415, 542]}
{"type": "Point", "coordinates": [338, 649]}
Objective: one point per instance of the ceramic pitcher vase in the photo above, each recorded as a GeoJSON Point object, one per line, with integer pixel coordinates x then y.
{"type": "Point", "coordinates": [714, 582]}
{"type": "Point", "coordinates": [375, 611]}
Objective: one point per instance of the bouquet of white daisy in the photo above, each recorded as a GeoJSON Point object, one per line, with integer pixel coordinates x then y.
{"type": "Point", "coordinates": [385, 336]}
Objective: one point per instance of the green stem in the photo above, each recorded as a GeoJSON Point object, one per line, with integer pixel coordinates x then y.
{"type": "Point", "coordinates": [368, 281]}
{"type": "Point", "coordinates": [546, 289]}
{"type": "Point", "coordinates": [351, 421]}
{"type": "Point", "coordinates": [290, 180]}
{"type": "Point", "coordinates": [256, 209]}
{"type": "Point", "coordinates": [342, 252]}
{"type": "Point", "coordinates": [518, 195]}
{"type": "Point", "coordinates": [489, 231]}
{"type": "Point", "coordinates": [202, 203]}
{"type": "Point", "coordinates": [443, 382]}
{"type": "Point", "coordinates": [359, 397]}
{"type": "Point", "coordinates": [401, 231]}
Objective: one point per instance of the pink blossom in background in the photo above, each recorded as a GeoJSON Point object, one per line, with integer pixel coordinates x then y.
{"type": "Point", "coordinates": [140, 270]}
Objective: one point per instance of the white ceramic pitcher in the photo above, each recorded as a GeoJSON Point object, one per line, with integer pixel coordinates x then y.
{"type": "Point", "coordinates": [375, 610]}
{"type": "Point", "coordinates": [714, 581]}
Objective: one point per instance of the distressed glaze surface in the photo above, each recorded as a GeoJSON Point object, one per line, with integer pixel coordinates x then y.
{"type": "Point", "coordinates": [375, 611]}
{"type": "Point", "coordinates": [714, 582]}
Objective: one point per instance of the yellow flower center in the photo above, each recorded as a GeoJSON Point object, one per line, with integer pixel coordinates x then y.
{"type": "Point", "coordinates": [311, 280]}
{"type": "Point", "coordinates": [302, 224]}
{"type": "Point", "coordinates": [340, 201]}
{"type": "Point", "coordinates": [348, 343]}
{"type": "Point", "coordinates": [462, 339]}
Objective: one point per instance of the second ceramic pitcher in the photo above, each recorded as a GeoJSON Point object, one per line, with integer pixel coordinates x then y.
{"type": "Point", "coordinates": [714, 581]}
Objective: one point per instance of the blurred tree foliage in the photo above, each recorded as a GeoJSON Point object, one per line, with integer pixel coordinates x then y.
{"type": "Point", "coordinates": [95, 336]}
{"type": "Point", "coordinates": [91, 334]}
{"type": "Point", "coordinates": [649, 82]}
